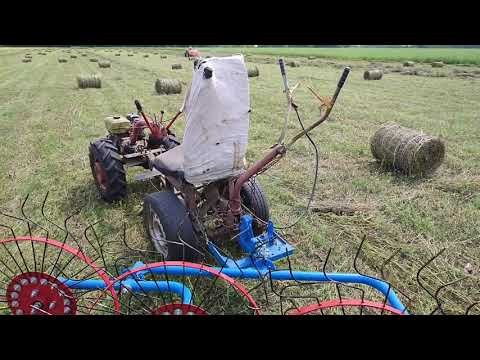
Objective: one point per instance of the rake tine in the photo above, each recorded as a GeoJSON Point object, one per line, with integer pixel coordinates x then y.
{"type": "Point", "coordinates": [439, 307]}
{"type": "Point", "coordinates": [422, 268]}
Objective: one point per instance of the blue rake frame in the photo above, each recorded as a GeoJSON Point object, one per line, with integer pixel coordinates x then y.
{"type": "Point", "coordinates": [262, 251]}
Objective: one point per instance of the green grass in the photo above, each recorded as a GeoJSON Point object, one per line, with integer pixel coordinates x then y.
{"type": "Point", "coordinates": [448, 56]}
{"type": "Point", "coordinates": [47, 125]}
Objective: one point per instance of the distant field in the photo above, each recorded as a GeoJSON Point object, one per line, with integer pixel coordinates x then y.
{"type": "Point", "coordinates": [449, 56]}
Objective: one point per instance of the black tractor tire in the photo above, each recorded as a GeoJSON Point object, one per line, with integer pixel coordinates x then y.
{"type": "Point", "coordinates": [104, 156]}
{"type": "Point", "coordinates": [254, 198]}
{"type": "Point", "coordinates": [167, 224]}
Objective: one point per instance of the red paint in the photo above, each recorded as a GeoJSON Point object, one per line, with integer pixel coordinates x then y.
{"type": "Point", "coordinates": [64, 247]}
{"type": "Point", "coordinates": [47, 293]}
{"type": "Point", "coordinates": [218, 274]}
{"type": "Point", "coordinates": [185, 308]}
{"type": "Point", "coordinates": [337, 303]}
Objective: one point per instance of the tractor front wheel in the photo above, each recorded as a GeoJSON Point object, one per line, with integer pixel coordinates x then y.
{"type": "Point", "coordinates": [107, 170]}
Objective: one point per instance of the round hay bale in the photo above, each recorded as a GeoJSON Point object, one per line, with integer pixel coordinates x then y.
{"type": "Point", "coordinates": [73, 56]}
{"type": "Point", "coordinates": [146, 56]}
{"type": "Point", "coordinates": [408, 63]}
{"type": "Point", "coordinates": [407, 150]}
{"type": "Point", "coordinates": [253, 72]}
{"type": "Point", "coordinates": [293, 64]}
{"type": "Point", "coordinates": [163, 56]}
{"type": "Point", "coordinates": [176, 66]}
{"type": "Point", "coordinates": [28, 56]}
{"type": "Point", "coordinates": [104, 64]}
{"type": "Point", "coordinates": [168, 86]}
{"type": "Point", "coordinates": [437, 64]}
{"type": "Point", "coordinates": [62, 60]}
{"type": "Point", "coordinates": [26, 60]}
{"type": "Point", "coordinates": [89, 81]}
{"type": "Point", "coordinates": [373, 74]}
{"type": "Point", "coordinates": [129, 54]}
{"type": "Point", "coordinates": [93, 60]}
{"type": "Point", "coordinates": [118, 54]}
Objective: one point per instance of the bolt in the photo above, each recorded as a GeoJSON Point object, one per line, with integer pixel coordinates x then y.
{"type": "Point", "coordinates": [19, 312]}
{"type": "Point", "coordinates": [34, 293]}
{"type": "Point", "coordinates": [190, 313]}
{"type": "Point", "coordinates": [14, 295]}
{"type": "Point", "coordinates": [178, 312]}
{"type": "Point", "coordinates": [52, 305]}
{"type": "Point", "coordinates": [166, 313]}
{"type": "Point", "coordinates": [43, 281]}
{"type": "Point", "coordinates": [33, 280]}
{"type": "Point", "coordinates": [24, 281]}
{"type": "Point", "coordinates": [66, 310]}
{"type": "Point", "coordinates": [15, 303]}
{"type": "Point", "coordinates": [17, 287]}
{"type": "Point", "coordinates": [66, 302]}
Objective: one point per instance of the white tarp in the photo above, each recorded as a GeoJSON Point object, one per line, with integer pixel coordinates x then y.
{"type": "Point", "coordinates": [217, 121]}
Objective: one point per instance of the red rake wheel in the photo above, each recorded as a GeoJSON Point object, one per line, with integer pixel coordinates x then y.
{"type": "Point", "coordinates": [339, 306]}
{"type": "Point", "coordinates": [157, 289]}
{"type": "Point", "coordinates": [34, 274]}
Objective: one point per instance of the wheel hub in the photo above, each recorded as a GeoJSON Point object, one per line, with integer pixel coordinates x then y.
{"type": "Point", "coordinates": [100, 175]}
{"type": "Point", "coordinates": [179, 309]}
{"type": "Point", "coordinates": [35, 293]}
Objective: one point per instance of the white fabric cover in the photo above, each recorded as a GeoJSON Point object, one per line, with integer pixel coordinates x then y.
{"type": "Point", "coordinates": [171, 160]}
{"type": "Point", "coordinates": [217, 121]}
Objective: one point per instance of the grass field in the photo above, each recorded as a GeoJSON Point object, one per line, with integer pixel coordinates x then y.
{"type": "Point", "coordinates": [449, 56]}
{"type": "Point", "coordinates": [46, 125]}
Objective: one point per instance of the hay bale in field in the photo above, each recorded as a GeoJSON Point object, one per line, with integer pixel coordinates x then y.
{"type": "Point", "coordinates": [293, 64]}
{"type": "Point", "coordinates": [26, 60]}
{"type": "Point", "coordinates": [118, 54]}
{"type": "Point", "coordinates": [73, 56]}
{"type": "Point", "coordinates": [253, 72]}
{"type": "Point", "coordinates": [89, 81]}
{"type": "Point", "coordinates": [408, 63]}
{"type": "Point", "coordinates": [146, 56]}
{"type": "Point", "coordinates": [62, 60]}
{"type": "Point", "coordinates": [176, 66]}
{"type": "Point", "coordinates": [129, 54]}
{"type": "Point", "coordinates": [437, 64]}
{"type": "Point", "coordinates": [375, 74]}
{"type": "Point", "coordinates": [84, 54]}
{"type": "Point", "coordinates": [168, 86]}
{"type": "Point", "coordinates": [104, 64]}
{"type": "Point", "coordinates": [28, 56]}
{"type": "Point", "coordinates": [407, 150]}
{"type": "Point", "coordinates": [163, 56]}
{"type": "Point", "coordinates": [93, 60]}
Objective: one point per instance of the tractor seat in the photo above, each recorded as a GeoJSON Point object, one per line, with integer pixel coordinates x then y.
{"type": "Point", "coordinates": [170, 162]}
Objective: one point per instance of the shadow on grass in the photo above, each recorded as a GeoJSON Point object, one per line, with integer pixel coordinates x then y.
{"type": "Point", "coordinates": [397, 177]}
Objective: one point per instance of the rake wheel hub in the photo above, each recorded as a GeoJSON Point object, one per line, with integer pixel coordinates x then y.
{"type": "Point", "coordinates": [35, 293]}
{"type": "Point", "coordinates": [179, 309]}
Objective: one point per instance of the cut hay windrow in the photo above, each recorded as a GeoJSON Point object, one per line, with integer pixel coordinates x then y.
{"type": "Point", "coordinates": [168, 86]}
{"type": "Point", "coordinates": [89, 81]}
{"type": "Point", "coordinates": [253, 72]}
{"type": "Point", "coordinates": [407, 150]}
{"type": "Point", "coordinates": [104, 64]}
{"type": "Point", "coordinates": [62, 60]}
{"type": "Point", "coordinates": [375, 74]}
{"type": "Point", "coordinates": [176, 66]}
{"type": "Point", "coordinates": [437, 64]}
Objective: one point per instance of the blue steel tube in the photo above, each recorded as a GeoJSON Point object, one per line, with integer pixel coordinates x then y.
{"type": "Point", "coordinates": [136, 286]}
{"type": "Point", "coordinates": [377, 284]}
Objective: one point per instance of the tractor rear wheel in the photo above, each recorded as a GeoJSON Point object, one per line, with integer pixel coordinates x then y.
{"type": "Point", "coordinates": [169, 227]}
{"type": "Point", "coordinates": [255, 200]}
{"type": "Point", "coordinates": [107, 170]}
